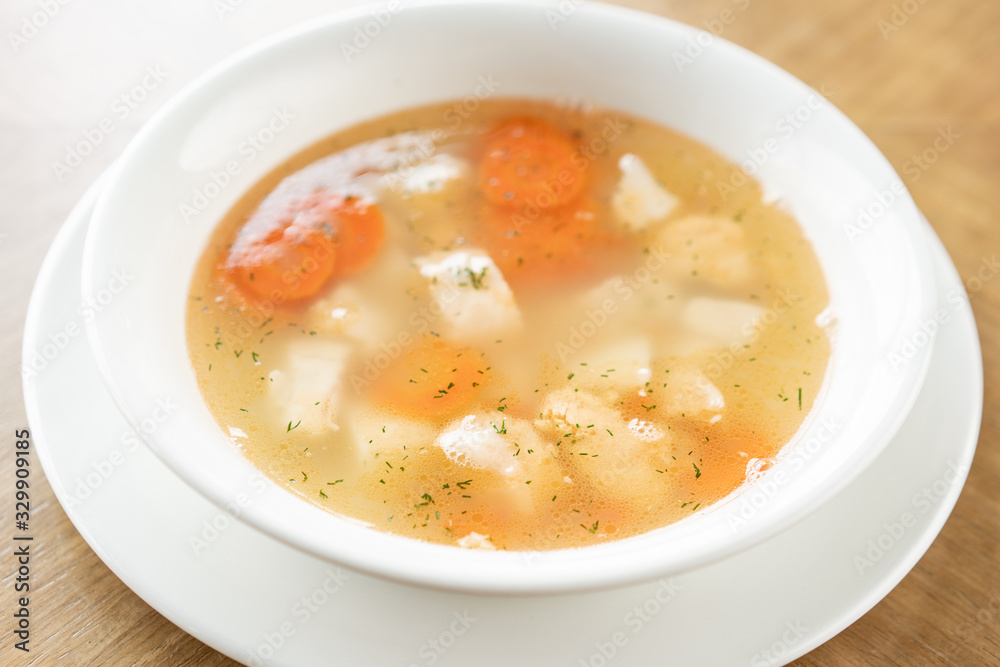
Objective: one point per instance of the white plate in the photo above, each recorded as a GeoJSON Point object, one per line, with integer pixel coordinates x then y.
{"type": "Point", "coordinates": [252, 597]}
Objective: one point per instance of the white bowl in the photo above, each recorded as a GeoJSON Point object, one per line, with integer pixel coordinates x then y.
{"type": "Point", "coordinates": [824, 169]}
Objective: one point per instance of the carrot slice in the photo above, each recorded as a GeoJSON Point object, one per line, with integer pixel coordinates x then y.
{"type": "Point", "coordinates": [529, 162]}
{"type": "Point", "coordinates": [557, 246]}
{"type": "Point", "coordinates": [434, 378]}
{"type": "Point", "coordinates": [320, 236]}
{"type": "Point", "coordinates": [357, 226]}
{"type": "Point", "coordinates": [289, 264]}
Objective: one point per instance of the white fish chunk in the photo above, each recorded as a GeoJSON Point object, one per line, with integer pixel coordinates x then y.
{"type": "Point", "coordinates": [639, 200]}
{"type": "Point", "coordinates": [510, 448]}
{"type": "Point", "coordinates": [478, 443]}
{"type": "Point", "coordinates": [306, 393]}
{"type": "Point", "coordinates": [475, 301]}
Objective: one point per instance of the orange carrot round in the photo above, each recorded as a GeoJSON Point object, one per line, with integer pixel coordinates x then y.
{"type": "Point", "coordinates": [357, 227]}
{"type": "Point", "coordinates": [557, 245]}
{"type": "Point", "coordinates": [434, 378]}
{"type": "Point", "coordinates": [320, 236]}
{"type": "Point", "coordinates": [289, 264]}
{"type": "Point", "coordinates": [528, 162]}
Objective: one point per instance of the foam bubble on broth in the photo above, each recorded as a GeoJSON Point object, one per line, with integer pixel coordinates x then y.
{"type": "Point", "coordinates": [644, 448]}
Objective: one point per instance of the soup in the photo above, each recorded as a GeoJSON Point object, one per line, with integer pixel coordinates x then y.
{"type": "Point", "coordinates": [531, 326]}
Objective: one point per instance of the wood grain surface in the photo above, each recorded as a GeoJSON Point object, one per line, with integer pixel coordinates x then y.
{"type": "Point", "coordinates": [903, 70]}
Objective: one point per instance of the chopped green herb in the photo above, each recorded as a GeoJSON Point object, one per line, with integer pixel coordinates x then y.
{"type": "Point", "coordinates": [477, 278]}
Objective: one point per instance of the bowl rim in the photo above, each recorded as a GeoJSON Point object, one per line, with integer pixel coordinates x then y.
{"type": "Point", "coordinates": [566, 570]}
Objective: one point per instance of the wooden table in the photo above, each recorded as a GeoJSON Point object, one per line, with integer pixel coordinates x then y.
{"type": "Point", "coordinates": [903, 70]}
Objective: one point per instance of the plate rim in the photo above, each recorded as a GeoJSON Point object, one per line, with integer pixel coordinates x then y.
{"type": "Point", "coordinates": [175, 613]}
